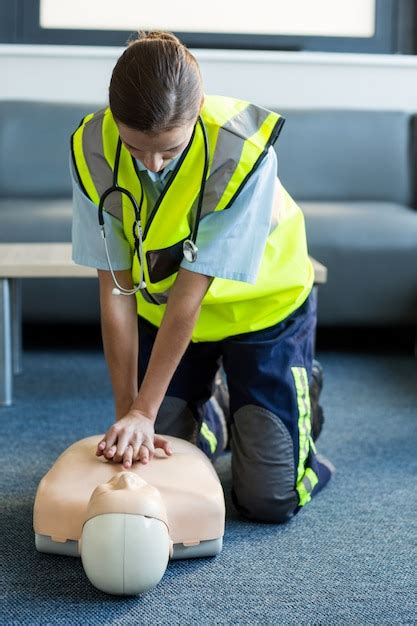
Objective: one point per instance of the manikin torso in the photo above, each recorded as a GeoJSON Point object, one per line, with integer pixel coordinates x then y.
{"type": "Point", "coordinates": [187, 482]}
{"type": "Point", "coordinates": [175, 501]}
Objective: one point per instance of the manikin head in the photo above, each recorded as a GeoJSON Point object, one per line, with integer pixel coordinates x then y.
{"type": "Point", "coordinates": [125, 544]}
{"type": "Point", "coordinates": [156, 94]}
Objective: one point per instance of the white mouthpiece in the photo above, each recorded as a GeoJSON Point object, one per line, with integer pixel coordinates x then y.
{"type": "Point", "coordinates": [142, 285]}
{"type": "Point", "coordinates": [116, 292]}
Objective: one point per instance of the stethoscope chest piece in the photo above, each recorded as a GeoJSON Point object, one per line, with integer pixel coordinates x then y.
{"type": "Point", "coordinates": [190, 251]}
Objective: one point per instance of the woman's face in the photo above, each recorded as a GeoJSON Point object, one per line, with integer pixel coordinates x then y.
{"type": "Point", "coordinates": [155, 150]}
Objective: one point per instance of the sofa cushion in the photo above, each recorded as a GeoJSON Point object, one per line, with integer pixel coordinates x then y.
{"type": "Point", "coordinates": [34, 146]}
{"type": "Point", "coordinates": [347, 155]}
{"type": "Point", "coordinates": [32, 220]}
{"type": "Point", "coordinates": [370, 250]}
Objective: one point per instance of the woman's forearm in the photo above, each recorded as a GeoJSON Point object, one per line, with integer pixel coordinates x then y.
{"type": "Point", "coordinates": [119, 328]}
{"type": "Point", "coordinates": [170, 344]}
{"type": "Point", "coordinates": [172, 340]}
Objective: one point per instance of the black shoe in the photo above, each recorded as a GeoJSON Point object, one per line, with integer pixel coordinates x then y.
{"type": "Point", "coordinates": [316, 385]}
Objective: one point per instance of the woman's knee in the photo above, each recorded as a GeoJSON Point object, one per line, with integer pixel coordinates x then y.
{"type": "Point", "coordinates": [176, 418]}
{"type": "Point", "coordinates": [267, 508]}
{"type": "Point", "coordinates": [263, 466]}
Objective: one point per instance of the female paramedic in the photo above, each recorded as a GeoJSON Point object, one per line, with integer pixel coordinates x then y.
{"type": "Point", "coordinates": [202, 259]}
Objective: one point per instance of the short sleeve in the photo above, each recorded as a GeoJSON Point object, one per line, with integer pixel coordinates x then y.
{"type": "Point", "coordinates": [231, 242]}
{"type": "Point", "coordinates": [87, 242]}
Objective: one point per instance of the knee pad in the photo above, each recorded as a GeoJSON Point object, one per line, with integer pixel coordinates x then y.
{"type": "Point", "coordinates": [263, 467]}
{"type": "Point", "coordinates": [175, 418]}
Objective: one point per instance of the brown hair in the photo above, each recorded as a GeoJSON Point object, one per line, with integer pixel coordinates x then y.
{"type": "Point", "coordinates": [156, 84]}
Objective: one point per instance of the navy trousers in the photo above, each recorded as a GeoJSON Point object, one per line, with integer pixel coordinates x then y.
{"type": "Point", "coordinates": [275, 469]}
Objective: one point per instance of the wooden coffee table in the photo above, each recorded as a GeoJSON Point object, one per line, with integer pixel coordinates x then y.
{"type": "Point", "coordinates": [40, 260]}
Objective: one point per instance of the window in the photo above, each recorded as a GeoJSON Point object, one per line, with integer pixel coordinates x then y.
{"type": "Point", "coordinates": [349, 18]}
{"type": "Point", "coordinates": [384, 26]}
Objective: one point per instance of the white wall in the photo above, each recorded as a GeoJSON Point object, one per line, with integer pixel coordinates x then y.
{"type": "Point", "coordinates": [281, 79]}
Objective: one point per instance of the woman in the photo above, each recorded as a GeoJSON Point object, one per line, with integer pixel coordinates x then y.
{"type": "Point", "coordinates": [222, 274]}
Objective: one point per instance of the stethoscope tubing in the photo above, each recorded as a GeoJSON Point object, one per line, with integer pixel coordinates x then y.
{"type": "Point", "coordinates": [190, 249]}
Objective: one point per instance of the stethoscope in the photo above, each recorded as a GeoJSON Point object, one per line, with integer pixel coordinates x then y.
{"type": "Point", "coordinates": [189, 247]}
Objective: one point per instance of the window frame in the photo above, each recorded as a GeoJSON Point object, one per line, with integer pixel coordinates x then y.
{"type": "Point", "coordinates": [21, 24]}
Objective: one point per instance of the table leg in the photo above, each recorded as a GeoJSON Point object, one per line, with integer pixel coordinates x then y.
{"type": "Point", "coordinates": [6, 367]}
{"type": "Point", "coordinates": [17, 325]}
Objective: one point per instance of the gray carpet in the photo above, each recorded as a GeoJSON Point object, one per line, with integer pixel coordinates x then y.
{"type": "Point", "coordinates": [349, 558]}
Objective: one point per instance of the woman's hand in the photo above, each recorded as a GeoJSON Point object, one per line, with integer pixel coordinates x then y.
{"type": "Point", "coordinates": [132, 438]}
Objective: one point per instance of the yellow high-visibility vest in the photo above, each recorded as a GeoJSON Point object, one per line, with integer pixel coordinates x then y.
{"type": "Point", "coordinates": [239, 136]}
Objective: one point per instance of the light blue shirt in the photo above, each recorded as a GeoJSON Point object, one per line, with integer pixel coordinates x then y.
{"type": "Point", "coordinates": [230, 242]}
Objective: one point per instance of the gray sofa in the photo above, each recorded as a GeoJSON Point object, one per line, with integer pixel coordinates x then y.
{"type": "Point", "coordinates": [353, 173]}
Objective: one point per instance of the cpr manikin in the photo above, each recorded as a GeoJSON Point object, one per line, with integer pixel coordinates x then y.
{"type": "Point", "coordinates": [126, 525]}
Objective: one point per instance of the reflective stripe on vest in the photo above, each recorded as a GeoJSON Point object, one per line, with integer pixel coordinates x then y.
{"type": "Point", "coordinates": [306, 477]}
{"type": "Point", "coordinates": [92, 168]}
{"type": "Point", "coordinates": [239, 135]}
